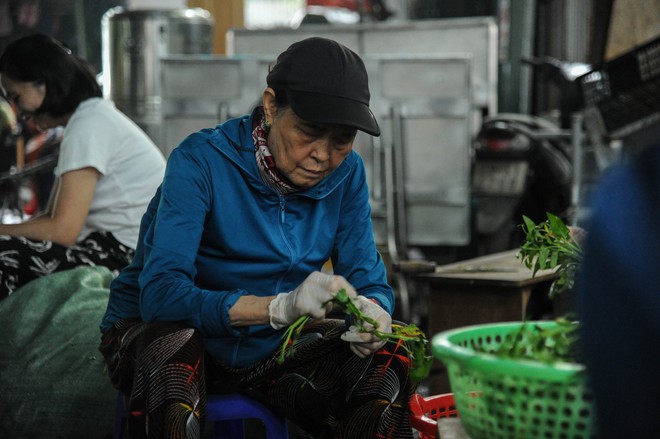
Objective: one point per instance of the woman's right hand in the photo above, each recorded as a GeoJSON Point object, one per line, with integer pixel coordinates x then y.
{"type": "Point", "coordinates": [312, 297]}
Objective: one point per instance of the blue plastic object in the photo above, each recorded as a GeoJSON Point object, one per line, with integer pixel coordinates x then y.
{"type": "Point", "coordinates": [227, 413]}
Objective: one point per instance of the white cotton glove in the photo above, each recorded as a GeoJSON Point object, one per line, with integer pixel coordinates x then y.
{"type": "Point", "coordinates": [310, 298]}
{"type": "Point", "coordinates": [364, 344]}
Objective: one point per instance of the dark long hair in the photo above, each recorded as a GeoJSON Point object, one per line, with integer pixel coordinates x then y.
{"type": "Point", "coordinates": [42, 59]}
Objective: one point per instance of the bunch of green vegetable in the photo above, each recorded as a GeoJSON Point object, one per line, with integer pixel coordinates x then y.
{"type": "Point", "coordinates": [557, 343]}
{"type": "Point", "coordinates": [548, 245]}
{"type": "Point", "coordinates": [410, 337]}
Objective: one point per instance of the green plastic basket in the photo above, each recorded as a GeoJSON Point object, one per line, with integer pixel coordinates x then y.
{"type": "Point", "coordinates": [501, 398]}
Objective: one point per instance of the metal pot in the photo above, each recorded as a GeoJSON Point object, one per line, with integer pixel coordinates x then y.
{"type": "Point", "coordinates": [133, 42]}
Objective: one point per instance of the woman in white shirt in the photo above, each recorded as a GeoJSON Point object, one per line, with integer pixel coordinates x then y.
{"type": "Point", "coordinates": [107, 171]}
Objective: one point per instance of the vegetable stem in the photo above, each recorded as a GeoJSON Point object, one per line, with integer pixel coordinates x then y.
{"type": "Point", "coordinates": [410, 337]}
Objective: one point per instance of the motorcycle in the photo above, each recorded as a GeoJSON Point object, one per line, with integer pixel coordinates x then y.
{"type": "Point", "coordinates": [524, 164]}
{"type": "Point", "coordinates": [522, 167]}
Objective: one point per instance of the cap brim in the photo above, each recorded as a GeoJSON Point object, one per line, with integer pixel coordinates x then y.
{"type": "Point", "coordinates": [326, 109]}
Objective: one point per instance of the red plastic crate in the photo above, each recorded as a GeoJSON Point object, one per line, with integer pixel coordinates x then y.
{"type": "Point", "coordinates": [424, 413]}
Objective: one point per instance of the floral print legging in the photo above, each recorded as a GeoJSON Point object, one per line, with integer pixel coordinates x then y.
{"type": "Point", "coordinates": [23, 260]}
{"type": "Point", "coordinates": [323, 388]}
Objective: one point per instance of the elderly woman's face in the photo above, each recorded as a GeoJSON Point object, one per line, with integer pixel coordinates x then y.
{"type": "Point", "coordinates": [305, 152]}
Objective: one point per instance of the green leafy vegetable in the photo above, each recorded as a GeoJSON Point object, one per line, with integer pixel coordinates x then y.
{"type": "Point", "coordinates": [546, 344]}
{"type": "Point", "coordinates": [410, 337]}
{"type": "Point", "coordinates": [549, 245]}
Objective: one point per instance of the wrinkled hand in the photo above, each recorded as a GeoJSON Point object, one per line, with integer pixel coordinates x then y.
{"type": "Point", "coordinates": [364, 344]}
{"type": "Point", "coordinates": [310, 298]}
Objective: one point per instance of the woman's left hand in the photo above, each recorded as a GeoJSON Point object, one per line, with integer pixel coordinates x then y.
{"type": "Point", "coordinates": [364, 344]}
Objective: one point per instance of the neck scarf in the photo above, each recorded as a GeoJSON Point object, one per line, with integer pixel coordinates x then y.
{"type": "Point", "coordinates": [265, 161]}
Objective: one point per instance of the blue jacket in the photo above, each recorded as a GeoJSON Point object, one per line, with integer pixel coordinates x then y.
{"type": "Point", "coordinates": [215, 231]}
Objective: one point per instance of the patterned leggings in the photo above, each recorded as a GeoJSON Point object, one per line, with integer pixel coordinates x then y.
{"type": "Point", "coordinates": [323, 388]}
{"type": "Point", "coordinates": [23, 260]}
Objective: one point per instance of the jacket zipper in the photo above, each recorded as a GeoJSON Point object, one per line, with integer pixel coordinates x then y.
{"type": "Point", "coordinates": [282, 211]}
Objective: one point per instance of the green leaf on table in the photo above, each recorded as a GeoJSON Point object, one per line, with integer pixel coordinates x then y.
{"type": "Point", "coordinates": [550, 245]}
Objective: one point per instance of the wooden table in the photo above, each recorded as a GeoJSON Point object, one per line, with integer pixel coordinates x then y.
{"type": "Point", "coordinates": [487, 289]}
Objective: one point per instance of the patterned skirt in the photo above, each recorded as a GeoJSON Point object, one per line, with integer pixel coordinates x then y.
{"type": "Point", "coordinates": [323, 387]}
{"type": "Point", "coordinates": [22, 259]}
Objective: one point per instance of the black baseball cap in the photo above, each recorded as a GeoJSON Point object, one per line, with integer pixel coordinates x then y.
{"type": "Point", "coordinates": [325, 82]}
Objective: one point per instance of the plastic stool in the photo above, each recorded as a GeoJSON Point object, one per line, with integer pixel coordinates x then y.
{"type": "Point", "coordinates": [227, 412]}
